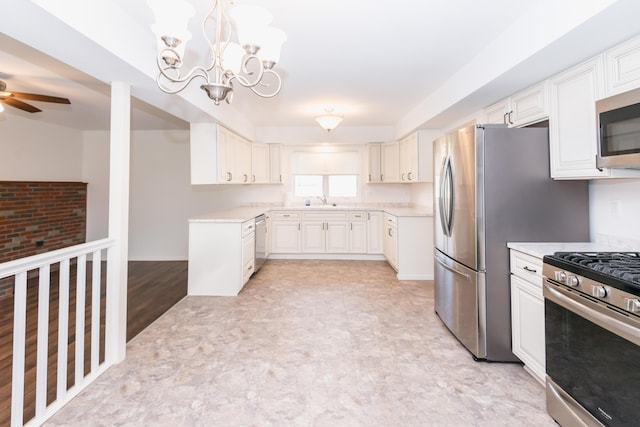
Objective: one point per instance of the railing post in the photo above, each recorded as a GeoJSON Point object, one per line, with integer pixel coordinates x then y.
{"type": "Point", "coordinates": [117, 256]}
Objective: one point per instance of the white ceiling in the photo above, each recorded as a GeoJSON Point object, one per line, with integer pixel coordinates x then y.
{"type": "Point", "coordinates": [374, 61]}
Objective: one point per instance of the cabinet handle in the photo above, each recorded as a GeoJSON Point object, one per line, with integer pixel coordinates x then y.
{"type": "Point", "coordinates": [409, 176]}
{"type": "Point", "coordinates": [369, 177]}
{"type": "Point", "coordinates": [351, 226]}
{"type": "Point", "coordinates": [250, 227]}
{"type": "Point", "coordinates": [250, 267]}
{"type": "Point", "coordinates": [531, 270]}
{"type": "Point", "coordinates": [246, 178]}
{"type": "Point", "coordinates": [229, 176]}
{"type": "Point", "coordinates": [504, 119]}
{"type": "Point", "coordinates": [381, 177]}
{"type": "Point", "coordinates": [280, 177]}
{"type": "Point", "coordinates": [390, 232]}
{"type": "Point", "coordinates": [510, 113]}
{"type": "Point", "coordinates": [253, 178]}
{"type": "Point", "coordinates": [368, 216]}
{"type": "Point", "coordinates": [286, 215]}
{"type": "Point", "coordinates": [298, 226]}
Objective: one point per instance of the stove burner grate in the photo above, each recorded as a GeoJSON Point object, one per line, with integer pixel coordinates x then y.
{"type": "Point", "coordinates": [621, 265]}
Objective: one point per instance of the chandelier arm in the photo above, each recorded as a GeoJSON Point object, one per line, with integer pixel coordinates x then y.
{"type": "Point", "coordinates": [183, 82]}
{"type": "Point", "coordinates": [212, 47]}
{"type": "Point", "coordinates": [277, 89]}
{"type": "Point", "coordinates": [243, 78]}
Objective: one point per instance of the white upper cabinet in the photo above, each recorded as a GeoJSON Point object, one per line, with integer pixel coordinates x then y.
{"type": "Point", "coordinates": [572, 124]}
{"type": "Point", "coordinates": [390, 163]}
{"type": "Point", "coordinates": [573, 133]}
{"type": "Point", "coordinates": [528, 106]}
{"type": "Point", "coordinates": [622, 67]}
{"type": "Point", "coordinates": [275, 163]}
{"type": "Point", "coordinates": [259, 163]}
{"type": "Point", "coordinates": [408, 150]}
{"type": "Point", "coordinates": [374, 160]}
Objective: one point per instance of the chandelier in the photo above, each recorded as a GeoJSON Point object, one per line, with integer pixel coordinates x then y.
{"type": "Point", "coordinates": [245, 56]}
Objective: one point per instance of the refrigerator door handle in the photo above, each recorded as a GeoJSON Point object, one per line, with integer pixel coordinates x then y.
{"type": "Point", "coordinates": [453, 270]}
{"type": "Point", "coordinates": [443, 196]}
{"type": "Point", "coordinates": [448, 183]}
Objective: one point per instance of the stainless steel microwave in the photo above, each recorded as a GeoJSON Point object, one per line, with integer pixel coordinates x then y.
{"type": "Point", "coordinates": [619, 131]}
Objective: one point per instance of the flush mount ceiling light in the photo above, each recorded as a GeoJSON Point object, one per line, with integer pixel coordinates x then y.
{"type": "Point", "coordinates": [329, 121]}
{"type": "Point", "coordinates": [243, 49]}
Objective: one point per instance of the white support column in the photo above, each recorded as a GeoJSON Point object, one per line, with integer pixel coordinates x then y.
{"type": "Point", "coordinates": [117, 257]}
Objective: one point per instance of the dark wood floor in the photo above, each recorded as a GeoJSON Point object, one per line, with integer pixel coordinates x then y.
{"type": "Point", "coordinates": [153, 288]}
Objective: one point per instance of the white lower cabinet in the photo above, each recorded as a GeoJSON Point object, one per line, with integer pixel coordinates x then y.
{"type": "Point", "coordinates": [374, 233]}
{"type": "Point", "coordinates": [358, 232]}
{"type": "Point", "coordinates": [325, 232]}
{"type": "Point", "coordinates": [527, 312]}
{"type": "Point", "coordinates": [221, 257]}
{"type": "Point", "coordinates": [390, 243]}
{"type": "Point", "coordinates": [285, 232]}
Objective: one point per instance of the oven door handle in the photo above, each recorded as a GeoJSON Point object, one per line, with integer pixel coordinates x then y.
{"type": "Point", "coordinates": [622, 325]}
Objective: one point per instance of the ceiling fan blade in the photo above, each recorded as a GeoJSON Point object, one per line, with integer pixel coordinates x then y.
{"type": "Point", "coordinates": [19, 104]}
{"type": "Point", "coordinates": [43, 98]}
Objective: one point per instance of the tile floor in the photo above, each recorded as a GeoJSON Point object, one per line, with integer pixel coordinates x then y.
{"type": "Point", "coordinates": [307, 343]}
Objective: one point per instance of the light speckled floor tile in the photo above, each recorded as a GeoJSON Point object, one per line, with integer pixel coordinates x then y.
{"type": "Point", "coordinates": [308, 343]}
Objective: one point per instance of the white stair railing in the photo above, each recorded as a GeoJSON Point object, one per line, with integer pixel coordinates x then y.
{"type": "Point", "coordinates": [19, 269]}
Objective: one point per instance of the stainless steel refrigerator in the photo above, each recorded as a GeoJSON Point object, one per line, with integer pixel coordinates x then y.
{"type": "Point", "coordinates": [492, 186]}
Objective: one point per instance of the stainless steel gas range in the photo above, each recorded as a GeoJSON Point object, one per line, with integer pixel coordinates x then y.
{"type": "Point", "coordinates": [592, 332]}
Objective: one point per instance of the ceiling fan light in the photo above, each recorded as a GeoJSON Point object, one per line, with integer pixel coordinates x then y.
{"type": "Point", "coordinates": [329, 121]}
{"type": "Point", "coordinates": [250, 22]}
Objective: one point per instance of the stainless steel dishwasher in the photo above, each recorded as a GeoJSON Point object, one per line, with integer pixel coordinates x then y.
{"type": "Point", "coordinates": [261, 241]}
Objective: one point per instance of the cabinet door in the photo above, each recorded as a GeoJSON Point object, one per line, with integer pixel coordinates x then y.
{"type": "Point", "coordinates": [374, 233]}
{"type": "Point", "coordinates": [275, 163]}
{"type": "Point", "coordinates": [226, 158]}
{"type": "Point", "coordinates": [259, 163]}
{"type": "Point", "coordinates": [408, 149]}
{"type": "Point", "coordinates": [527, 325]}
{"type": "Point", "coordinates": [248, 256]}
{"type": "Point", "coordinates": [497, 113]}
{"type": "Point", "coordinates": [572, 123]}
{"type": "Point", "coordinates": [358, 237]}
{"type": "Point", "coordinates": [313, 237]}
{"type": "Point", "coordinates": [374, 159]}
{"type": "Point", "coordinates": [622, 67]}
{"type": "Point", "coordinates": [530, 105]}
{"type": "Point", "coordinates": [242, 155]}
{"type": "Point", "coordinates": [390, 162]}
{"type": "Point", "coordinates": [285, 237]}
{"type": "Point", "coordinates": [337, 237]}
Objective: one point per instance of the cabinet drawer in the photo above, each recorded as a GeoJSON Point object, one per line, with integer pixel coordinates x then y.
{"type": "Point", "coordinates": [325, 216]}
{"type": "Point", "coordinates": [285, 215]}
{"type": "Point", "coordinates": [526, 266]}
{"type": "Point", "coordinates": [358, 216]}
{"type": "Point", "coordinates": [390, 220]}
{"type": "Point", "coordinates": [248, 227]}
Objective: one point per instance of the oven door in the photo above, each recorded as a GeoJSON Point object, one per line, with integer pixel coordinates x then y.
{"type": "Point", "coordinates": [593, 360]}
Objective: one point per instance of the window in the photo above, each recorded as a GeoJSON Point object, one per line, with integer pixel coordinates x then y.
{"type": "Point", "coordinates": [330, 185]}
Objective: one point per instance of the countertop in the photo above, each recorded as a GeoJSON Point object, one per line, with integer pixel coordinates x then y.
{"type": "Point", "coordinates": [246, 213]}
{"type": "Point", "coordinates": [540, 249]}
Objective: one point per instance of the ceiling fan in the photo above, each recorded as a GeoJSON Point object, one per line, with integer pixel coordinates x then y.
{"type": "Point", "coordinates": [13, 99]}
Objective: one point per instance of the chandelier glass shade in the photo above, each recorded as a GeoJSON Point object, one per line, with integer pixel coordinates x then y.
{"type": "Point", "coordinates": [243, 48]}
{"type": "Point", "coordinates": [329, 121]}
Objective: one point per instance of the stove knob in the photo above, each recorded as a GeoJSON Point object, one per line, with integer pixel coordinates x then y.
{"type": "Point", "coordinates": [560, 276]}
{"type": "Point", "coordinates": [573, 281]}
{"type": "Point", "coordinates": [633, 305]}
{"type": "Point", "coordinates": [599, 291]}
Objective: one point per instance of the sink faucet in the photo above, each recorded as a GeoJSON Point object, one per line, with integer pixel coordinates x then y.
{"type": "Point", "coordinates": [323, 198]}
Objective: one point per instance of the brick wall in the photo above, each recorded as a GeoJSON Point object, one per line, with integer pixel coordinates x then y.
{"type": "Point", "coordinates": [38, 217]}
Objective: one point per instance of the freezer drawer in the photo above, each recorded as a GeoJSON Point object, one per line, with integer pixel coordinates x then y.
{"type": "Point", "coordinates": [459, 302]}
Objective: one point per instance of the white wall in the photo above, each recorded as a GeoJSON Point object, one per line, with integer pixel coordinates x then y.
{"type": "Point", "coordinates": [95, 172]}
{"type": "Point", "coordinates": [614, 207]}
{"type": "Point", "coordinates": [34, 151]}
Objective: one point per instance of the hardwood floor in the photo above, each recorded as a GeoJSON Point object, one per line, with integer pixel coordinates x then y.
{"type": "Point", "coordinates": [153, 288]}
